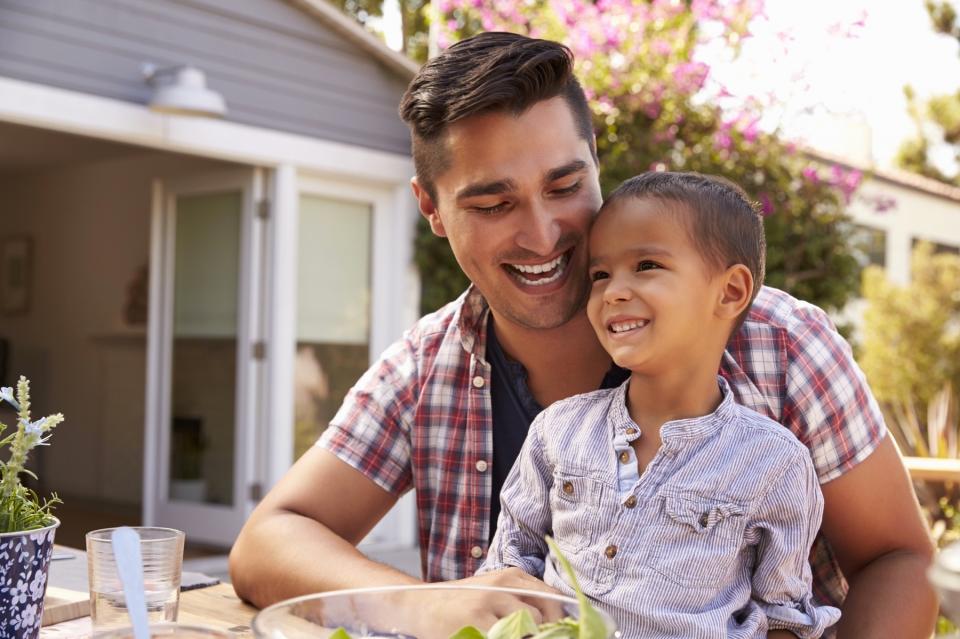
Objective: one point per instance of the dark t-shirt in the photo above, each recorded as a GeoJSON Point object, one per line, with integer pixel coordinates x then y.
{"type": "Point", "coordinates": [514, 408]}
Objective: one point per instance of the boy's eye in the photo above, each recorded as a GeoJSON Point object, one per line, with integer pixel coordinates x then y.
{"type": "Point", "coordinates": [647, 265]}
{"type": "Point", "coordinates": [598, 275]}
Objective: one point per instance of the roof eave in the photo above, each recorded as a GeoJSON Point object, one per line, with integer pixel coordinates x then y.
{"type": "Point", "coordinates": [350, 29]}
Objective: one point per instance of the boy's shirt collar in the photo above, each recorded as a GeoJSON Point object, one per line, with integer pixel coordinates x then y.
{"type": "Point", "coordinates": [693, 428]}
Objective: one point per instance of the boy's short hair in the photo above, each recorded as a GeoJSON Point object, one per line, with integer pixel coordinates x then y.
{"type": "Point", "coordinates": [489, 72]}
{"type": "Point", "coordinates": [723, 224]}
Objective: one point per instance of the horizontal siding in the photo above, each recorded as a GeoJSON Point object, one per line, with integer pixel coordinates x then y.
{"type": "Point", "coordinates": [276, 66]}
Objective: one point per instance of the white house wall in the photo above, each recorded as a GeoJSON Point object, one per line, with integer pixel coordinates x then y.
{"type": "Point", "coordinates": [915, 215]}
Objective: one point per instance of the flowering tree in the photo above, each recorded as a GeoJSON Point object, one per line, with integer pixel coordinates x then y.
{"type": "Point", "coordinates": [655, 108]}
{"type": "Point", "coordinates": [937, 120]}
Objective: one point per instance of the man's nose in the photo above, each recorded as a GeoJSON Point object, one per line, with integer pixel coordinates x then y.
{"type": "Point", "coordinates": [540, 231]}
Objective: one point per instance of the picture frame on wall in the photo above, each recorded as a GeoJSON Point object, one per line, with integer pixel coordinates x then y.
{"type": "Point", "coordinates": [16, 257]}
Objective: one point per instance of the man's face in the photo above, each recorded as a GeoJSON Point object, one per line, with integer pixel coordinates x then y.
{"type": "Point", "coordinates": [516, 202]}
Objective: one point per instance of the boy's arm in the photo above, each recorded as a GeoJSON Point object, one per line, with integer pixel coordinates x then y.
{"type": "Point", "coordinates": [786, 523]}
{"type": "Point", "coordinates": [525, 517]}
{"type": "Point", "coordinates": [872, 520]}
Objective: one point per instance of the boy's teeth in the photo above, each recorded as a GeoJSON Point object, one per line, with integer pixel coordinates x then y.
{"type": "Point", "coordinates": [621, 327]}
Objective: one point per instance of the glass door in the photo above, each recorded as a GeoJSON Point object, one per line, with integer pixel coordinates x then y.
{"type": "Point", "coordinates": [206, 356]}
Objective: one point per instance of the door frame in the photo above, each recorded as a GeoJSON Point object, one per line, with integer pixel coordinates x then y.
{"type": "Point", "coordinates": [209, 523]}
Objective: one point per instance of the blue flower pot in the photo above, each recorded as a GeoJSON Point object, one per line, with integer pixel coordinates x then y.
{"type": "Point", "coordinates": [24, 561]}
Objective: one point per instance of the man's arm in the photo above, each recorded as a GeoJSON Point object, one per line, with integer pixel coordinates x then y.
{"type": "Point", "coordinates": [874, 525]}
{"type": "Point", "coordinates": [301, 538]}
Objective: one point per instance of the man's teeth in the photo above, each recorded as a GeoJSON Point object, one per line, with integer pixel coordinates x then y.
{"type": "Point", "coordinates": [539, 268]}
{"type": "Point", "coordinates": [622, 327]}
{"type": "Point", "coordinates": [556, 264]}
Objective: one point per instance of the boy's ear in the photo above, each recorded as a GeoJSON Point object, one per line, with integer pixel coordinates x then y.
{"type": "Point", "coordinates": [428, 207]}
{"type": "Point", "coordinates": [735, 293]}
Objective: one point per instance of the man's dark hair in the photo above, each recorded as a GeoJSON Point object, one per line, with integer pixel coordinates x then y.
{"type": "Point", "coordinates": [489, 72]}
{"type": "Point", "coordinates": [723, 224]}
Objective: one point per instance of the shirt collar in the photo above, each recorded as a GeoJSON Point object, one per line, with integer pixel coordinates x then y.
{"type": "Point", "coordinates": [472, 322]}
{"type": "Point", "coordinates": [692, 428]}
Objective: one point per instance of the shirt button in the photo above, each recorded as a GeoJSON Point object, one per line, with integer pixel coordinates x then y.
{"type": "Point", "coordinates": [704, 520]}
{"type": "Point", "coordinates": [631, 431]}
{"type": "Point", "coordinates": [482, 466]}
{"type": "Point", "coordinates": [624, 457]}
{"type": "Point", "coordinates": [478, 381]}
{"type": "Point", "coordinates": [568, 487]}
{"type": "Point", "coordinates": [476, 552]}
{"type": "Point", "coordinates": [631, 501]}
{"type": "Point", "coordinates": [611, 551]}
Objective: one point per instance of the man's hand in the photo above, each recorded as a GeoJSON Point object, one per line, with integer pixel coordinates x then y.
{"type": "Point", "coordinates": [873, 523]}
{"type": "Point", "coordinates": [439, 616]}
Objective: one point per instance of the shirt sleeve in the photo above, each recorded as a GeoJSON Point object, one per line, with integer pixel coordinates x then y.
{"type": "Point", "coordinates": [371, 430]}
{"type": "Point", "coordinates": [828, 404]}
{"type": "Point", "coordinates": [787, 523]}
{"type": "Point", "coordinates": [525, 517]}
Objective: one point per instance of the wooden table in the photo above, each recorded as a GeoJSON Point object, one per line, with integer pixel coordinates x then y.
{"type": "Point", "coordinates": [216, 606]}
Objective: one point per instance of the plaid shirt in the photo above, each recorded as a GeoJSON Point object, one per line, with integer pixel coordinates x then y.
{"type": "Point", "coordinates": [421, 418]}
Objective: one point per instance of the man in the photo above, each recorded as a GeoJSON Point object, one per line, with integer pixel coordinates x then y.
{"type": "Point", "coordinates": [507, 171]}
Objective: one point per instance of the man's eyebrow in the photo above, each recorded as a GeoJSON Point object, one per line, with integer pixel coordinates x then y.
{"type": "Point", "coordinates": [486, 188]}
{"type": "Point", "coordinates": [565, 170]}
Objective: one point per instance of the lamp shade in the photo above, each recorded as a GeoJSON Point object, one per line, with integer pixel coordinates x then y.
{"type": "Point", "coordinates": [182, 90]}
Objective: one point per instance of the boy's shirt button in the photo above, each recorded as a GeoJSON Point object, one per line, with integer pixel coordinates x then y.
{"type": "Point", "coordinates": [611, 551]}
{"type": "Point", "coordinates": [631, 431]}
{"type": "Point", "coordinates": [482, 466]}
{"type": "Point", "coordinates": [631, 501]}
{"type": "Point", "coordinates": [624, 457]}
{"type": "Point", "coordinates": [478, 381]}
{"type": "Point", "coordinates": [568, 487]}
{"type": "Point", "coordinates": [476, 552]}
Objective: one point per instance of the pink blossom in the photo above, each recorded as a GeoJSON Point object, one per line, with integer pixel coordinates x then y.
{"type": "Point", "coordinates": [723, 140]}
{"type": "Point", "coordinates": [810, 175]}
{"type": "Point", "coordinates": [766, 204]}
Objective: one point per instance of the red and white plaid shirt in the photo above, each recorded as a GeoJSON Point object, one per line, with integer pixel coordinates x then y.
{"type": "Point", "coordinates": [421, 418]}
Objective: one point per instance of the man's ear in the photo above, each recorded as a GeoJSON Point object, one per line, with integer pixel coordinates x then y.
{"type": "Point", "coordinates": [428, 207]}
{"type": "Point", "coordinates": [736, 291]}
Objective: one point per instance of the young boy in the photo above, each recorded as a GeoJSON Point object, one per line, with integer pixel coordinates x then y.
{"type": "Point", "coordinates": [683, 513]}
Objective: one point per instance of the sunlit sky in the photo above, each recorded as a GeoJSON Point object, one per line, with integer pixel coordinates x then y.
{"type": "Point", "coordinates": [841, 94]}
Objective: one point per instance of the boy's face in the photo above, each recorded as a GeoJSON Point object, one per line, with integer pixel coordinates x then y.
{"type": "Point", "coordinates": [652, 297]}
{"type": "Point", "coordinates": [516, 202]}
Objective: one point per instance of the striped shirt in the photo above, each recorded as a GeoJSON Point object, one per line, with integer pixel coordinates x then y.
{"type": "Point", "coordinates": [420, 418]}
{"type": "Point", "coordinates": [710, 542]}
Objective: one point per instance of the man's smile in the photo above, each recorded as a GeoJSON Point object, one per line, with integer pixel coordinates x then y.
{"type": "Point", "coordinates": [540, 274]}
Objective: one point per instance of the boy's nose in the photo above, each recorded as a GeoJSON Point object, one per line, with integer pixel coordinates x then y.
{"type": "Point", "coordinates": [616, 290]}
{"type": "Point", "coordinates": [540, 232]}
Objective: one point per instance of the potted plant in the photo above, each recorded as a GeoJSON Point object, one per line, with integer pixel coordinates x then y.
{"type": "Point", "coordinates": [27, 525]}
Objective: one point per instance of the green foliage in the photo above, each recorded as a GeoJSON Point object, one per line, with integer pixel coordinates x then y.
{"type": "Point", "coordinates": [911, 356]}
{"type": "Point", "coordinates": [938, 119]}
{"type": "Point", "coordinates": [20, 508]}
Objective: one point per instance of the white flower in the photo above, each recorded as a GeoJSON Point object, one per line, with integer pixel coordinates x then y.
{"type": "Point", "coordinates": [34, 432]}
{"type": "Point", "coordinates": [6, 394]}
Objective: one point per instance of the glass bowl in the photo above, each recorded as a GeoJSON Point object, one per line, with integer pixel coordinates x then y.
{"type": "Point", "coordinates": [407, 612]}
{"type": "Point", "coordinates": [945, 576]}
{"type": "Point", "coordinates": [167, 631]}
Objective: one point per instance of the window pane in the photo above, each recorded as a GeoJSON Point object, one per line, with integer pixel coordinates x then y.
{"type": "Point", "coordinates": [333, 310]}
{"type": "Point", "coordinates": [206, 280]}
